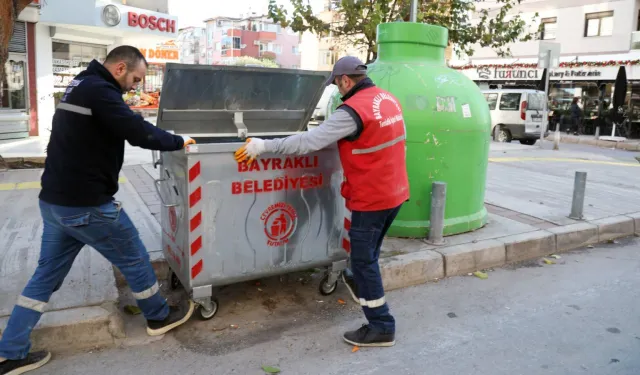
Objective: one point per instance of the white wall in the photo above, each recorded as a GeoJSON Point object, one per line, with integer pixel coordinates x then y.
{"type": "Point", "coordinates": [309, 51]}
{"type": "Point", "coordinates": [44, 76]}
{"type": "Point", "coordinates": [570, 16]}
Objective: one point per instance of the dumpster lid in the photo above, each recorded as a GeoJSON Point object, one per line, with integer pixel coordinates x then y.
{"type": "Point", "coordinates": [235, 101]}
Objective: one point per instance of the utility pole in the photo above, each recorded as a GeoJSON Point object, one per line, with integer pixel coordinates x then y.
{"type": "Point", "coordinates": [414, 11]}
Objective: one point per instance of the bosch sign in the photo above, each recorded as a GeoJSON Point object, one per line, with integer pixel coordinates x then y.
{"type": "Point", "coordinates": [151, 22]}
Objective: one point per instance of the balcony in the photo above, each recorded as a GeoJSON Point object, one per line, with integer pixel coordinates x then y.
{"type": "Point", "coordinates": [267, 36]}
{"type": "Point", "coordinates": [635, 40]}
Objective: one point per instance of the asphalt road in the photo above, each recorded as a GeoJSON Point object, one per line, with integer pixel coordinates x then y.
{"type": "Point", "coordinates": [579, 316]}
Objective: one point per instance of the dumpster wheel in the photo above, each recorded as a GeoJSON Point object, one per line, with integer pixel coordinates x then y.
{"type": "Point", "coordinates": [326, 288]}
{"type": "Point", "coordinates": [174, 281]}
{"type": "Point", "coordinates": [208, 312]}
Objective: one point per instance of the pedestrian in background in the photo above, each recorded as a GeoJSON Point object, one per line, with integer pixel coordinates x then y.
{"type": "Point", "coordinates": [576, 117]}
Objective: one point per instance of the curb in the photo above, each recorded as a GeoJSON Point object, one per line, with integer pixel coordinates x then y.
{"type": "Point", "coordinates": [417, 268]}
{"type": "Point", "coordinates": [77, 328]}
{"type": "Point", "coordinates": [626, 146]}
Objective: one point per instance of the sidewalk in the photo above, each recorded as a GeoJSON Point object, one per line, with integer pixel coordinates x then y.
{"type": "Point", "coordinates": [528, 197]}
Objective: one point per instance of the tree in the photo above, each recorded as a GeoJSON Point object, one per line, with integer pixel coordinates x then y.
{"type": "Point", "coordinates": [9, 11]}
{"type": "Point", "coordinates": [356, 21]}
{"type": "Point", "coordinates": [252, 61]}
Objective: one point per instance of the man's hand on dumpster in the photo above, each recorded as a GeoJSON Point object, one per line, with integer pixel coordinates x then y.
{"type": "Point", "coordinates": [188, 140]}
{"type": "Point", "coordinates": [250, 150]}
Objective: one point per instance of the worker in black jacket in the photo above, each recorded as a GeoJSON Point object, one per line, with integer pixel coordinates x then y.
{"type": "Point", "coordinates": [84, 158]}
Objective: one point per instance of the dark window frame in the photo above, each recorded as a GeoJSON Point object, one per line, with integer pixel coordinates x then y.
{"type": "Point", "coordinates": [596, 16]}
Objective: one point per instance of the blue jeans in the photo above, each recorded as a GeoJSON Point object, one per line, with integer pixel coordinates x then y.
{"type": "Point", "coordinates": [107, 229]}
{"type": "Point", "coordinates": [366, 235]}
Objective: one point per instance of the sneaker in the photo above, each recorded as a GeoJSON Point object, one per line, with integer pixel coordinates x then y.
{"type": "Point", "coordinates": [351, 285]}
{"type": "Point", "coordinates": [365, 337]}
{"type": "Point", "coordinates": [178, 315]}
{"type": "Point", "coordinates": [20, 366]}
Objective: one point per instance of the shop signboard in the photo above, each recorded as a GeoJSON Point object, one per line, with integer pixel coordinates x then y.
{"type": "Point", "coordinates": [161, 53]}
{"type": "Point", "coordinates": [498, 73]}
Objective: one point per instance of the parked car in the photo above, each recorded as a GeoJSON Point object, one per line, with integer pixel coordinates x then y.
{"type": "Point", "coordinates": [517, 114]}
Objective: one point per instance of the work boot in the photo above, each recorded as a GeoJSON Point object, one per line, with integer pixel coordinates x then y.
{"type": "Point", "coordinates": [365, 336]}
{"type": "Point", "coordinates": [348, 280]}
{"type": "Point", "coordinates": [178, 315]}
{"type": "Point", "coordinates": [20, 366]}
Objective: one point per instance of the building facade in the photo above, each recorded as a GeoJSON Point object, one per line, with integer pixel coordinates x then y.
{"type": "Point", "coordinates": [320, 52]}
{"type": "Point", "coordinates": [53, 44]}
{"type": "Point", "coordinates": [253, 35]}
{"type": "Point", "coordinates": [596, 38]}
{"type": "Point", "coordinates": [192, 44]}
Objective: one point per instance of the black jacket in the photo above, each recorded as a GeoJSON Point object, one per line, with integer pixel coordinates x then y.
{"type": "Point", "coordinates": [86, 147]}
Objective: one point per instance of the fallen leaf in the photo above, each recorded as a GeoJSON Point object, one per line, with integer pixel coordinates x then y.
{"type": "Point", "coordinates": [342, 302]}
{"type": "Point", "coordinates": [270, 370]}
{"type": "Point", "coordinates": [556, 256]}
{"type": "Point", "coordinates": [132, 310]}
{"type": "Point", "coordinates": [355, 349]}
{"type": "Point", "coordinates": [548, 261]}
{"type": "Point", "coordinates": [481, 275]}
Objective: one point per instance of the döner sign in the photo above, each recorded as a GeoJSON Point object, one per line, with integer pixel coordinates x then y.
{"type": "Point", "coordinates": [151, 22]}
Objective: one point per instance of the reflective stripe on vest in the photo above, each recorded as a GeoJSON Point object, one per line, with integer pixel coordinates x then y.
{"type": "Point", "coordinates": [378, 147]}
{"type": "Point", "coordinates": [75, 108]}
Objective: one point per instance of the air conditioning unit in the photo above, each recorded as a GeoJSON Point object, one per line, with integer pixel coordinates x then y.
{"type": "Point", "coordinates": [256, 42]}
{"type": "Point", "coordinates": [243, 46]}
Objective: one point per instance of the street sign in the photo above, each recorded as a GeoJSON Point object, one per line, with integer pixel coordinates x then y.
{"type": "Point", "coordinates": [548, 55]}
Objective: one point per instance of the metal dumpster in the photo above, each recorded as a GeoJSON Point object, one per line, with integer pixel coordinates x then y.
{"type": "Point", "coordinates": [225, 222]}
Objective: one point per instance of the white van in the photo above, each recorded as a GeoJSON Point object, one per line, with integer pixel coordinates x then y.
{"type": "Point", "coordinates": [517, 114]}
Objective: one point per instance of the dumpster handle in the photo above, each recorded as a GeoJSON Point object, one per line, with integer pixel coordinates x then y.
{"type": "Point", "coordinates": [157, 160]}
{"type": "Point", "coordinates": [157, 184]}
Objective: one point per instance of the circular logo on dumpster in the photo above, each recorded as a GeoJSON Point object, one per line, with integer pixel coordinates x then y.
{"type": "Point", "coordinates": [280, 221]}
{"type": "Point", "coordinates": [173, 220]}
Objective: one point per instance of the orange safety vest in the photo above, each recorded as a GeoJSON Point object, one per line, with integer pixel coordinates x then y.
{"type": "Point", "coordinates": [374, 164]}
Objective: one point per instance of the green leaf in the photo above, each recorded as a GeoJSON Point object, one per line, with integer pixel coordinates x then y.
{"type": "Point", "coordinates": [270, 370]}
{"type": "Point", "coordinates": [132, 310]}
{"type": "Point", "coordinates": [481, 275]}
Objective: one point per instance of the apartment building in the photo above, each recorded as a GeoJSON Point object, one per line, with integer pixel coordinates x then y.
{"type": "Point", "coordinates": [254, 35]}
{"type": "Point", "coordinates": [595, 37]}
{"type": "Point", "coordinates": [320, 52]}
{"type": "Point", "coordinates": [192, 44]}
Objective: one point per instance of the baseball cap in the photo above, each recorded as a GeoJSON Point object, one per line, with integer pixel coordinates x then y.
{"type": "Point", "coordinates": [347, 65]}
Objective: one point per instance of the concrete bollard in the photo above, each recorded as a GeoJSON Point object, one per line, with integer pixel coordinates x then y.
{"type": "Point", "coordinates": [436, 227]}
{"type": "Point", "coordinates": [577, 204]}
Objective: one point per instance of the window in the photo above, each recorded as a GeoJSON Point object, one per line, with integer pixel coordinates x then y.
{"type": "Point", "coordinates": [14, 85]}
{"type": "Point", "coordinates": [326, 58]}
{"type": "Point", "coordinates": [535, 102]}
{"type": "Point", "coordinates": [277, 48]}
{"type": "Point", "coordinates": [510, 102]}
{"type": "Point", "coordinates": [598, 24]}
{"type": "Point", "coordinates": [492, 100]}
{"type": "Point", "coordinates": [549, 27]}
{"type": "Point", "coordinates": [295, 50]}
{"type": "Point", "coordinates": [229, 42]}
{"type": "Point", "coordinates": [14, 82]}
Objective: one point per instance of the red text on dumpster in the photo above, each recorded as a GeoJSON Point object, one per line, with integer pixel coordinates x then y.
{"type": "Point", "coordinates": [280, 222]}
{"type": "Point", "coordinates": [307, 181]}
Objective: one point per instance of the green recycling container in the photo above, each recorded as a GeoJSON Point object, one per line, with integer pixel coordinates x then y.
{"type": "Point", "coordinates": [448, 127]}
